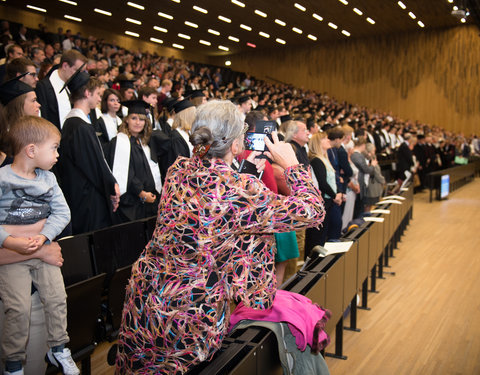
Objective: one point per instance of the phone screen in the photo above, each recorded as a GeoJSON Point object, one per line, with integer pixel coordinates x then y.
{"type": "Point", "coordinates": [255, 141]}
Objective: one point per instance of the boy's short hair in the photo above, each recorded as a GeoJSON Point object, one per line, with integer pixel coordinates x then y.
{"type": "Point", "coordinates": [30, 129]}
{"type": "Point", "coordinates": [146, 91]}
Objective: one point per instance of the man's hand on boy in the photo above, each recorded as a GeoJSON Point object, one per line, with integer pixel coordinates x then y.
{"type": "Point", "coordinates": [22, 245]}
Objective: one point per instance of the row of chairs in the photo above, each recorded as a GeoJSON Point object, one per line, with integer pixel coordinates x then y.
{"type": "Point", "coordinates": [96, 269]}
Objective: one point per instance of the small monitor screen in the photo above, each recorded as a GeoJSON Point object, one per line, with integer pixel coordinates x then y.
{"type": "Point", "coordinates": [444, 186]}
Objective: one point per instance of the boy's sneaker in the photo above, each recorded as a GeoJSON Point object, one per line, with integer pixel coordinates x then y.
{"type": "Point", "coordinates": [18, 372]}
{"type": "Point", "coordinates": [63, 360]}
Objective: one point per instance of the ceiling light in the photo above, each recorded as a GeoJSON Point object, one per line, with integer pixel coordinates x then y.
{"type": "Point", "coordinates": [280, 22]}
{"type": "Point", "coordinates": [224, 19]}
{"type": "Point", "coordinates": [358, 11]}
{"type": "Point", "coordinates": [165, 15]}
{"type": "Point", "coordinates": [205, 42]}
{"type": "Point", "coordinates": [313, 37]}
{"type": "Point", "coordinates": [450, 1]}
{"type": "Point", "coordinates": [333, 26]}
{"type": "Point", "coordinates": [297, 30]}
{"type": "Point", "coordinates": [413, 16]}
{"type": "Point", "coordinates": [240, 4]}
{"type": "Point", "coordinates": [214, 32]}
{"type": "Point", "coordinates": [131, 20]}
{"type": "Point", "coordinates": [159, 41]}
{"type": "Point", "coordinates": [223, 48]}
{"type": "Point", "coordinates": [260, 13]}
{"type": "Point", "coordinates": [201, 10]}
{"type": "Point", "coordinates": [179, 46]}
{"type": "Point", "coordinates": [68, 2]}
{"type": "Point", "coordinates": [176, 1]}
{"type": "Point", "coordinates": [463, 20]}
{"type": "Point", "coordinates": [301, 7]}
{"type": "Point", "coordinates": [281, 41]}
{"type": "Point", "coordinates": [228, 63]}
{"type": "Point", "coordinates": [158, 28]}
{"type": "Point", "coordinates": [131, 33]}
{"type": "Point", "coordinates": [235, 39]}
{"type": "Point", "coordinates": [102, 12]}
{"type": "Point", "coordinates": [73, 18]}
{"type": "Point", "coordinates": [251, 45]}
{"type": "Point", "coordinates": [184, 36]}
{"type": "Point", "coordinates": [37, 8]}
{"type": "Point", "coordinates": [191, 24]}
{"type": "Point", "coordinates": [245, 27]}
{"type": "Point", "coordinates": [402, 5]}
{"type": "Point", "coordinates": [344, 2]}
{"type": "Point", "coordinates": [371, 21]}
{"type": "Point", "coordinates": [316, 16]}
{"type": "Point", "coordinates": [346, 33]}
{"type": "Point", "coordinates": [265, 35]}
{"type": "Point", "coordinates": [141, 7]}
{"type": "Point", "coordinates": [455, 8]}
{"type": "Point", "coordinates": [421, 24]}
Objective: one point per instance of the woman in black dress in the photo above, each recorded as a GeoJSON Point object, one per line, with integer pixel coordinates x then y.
{"type": "Point", "coordinates": [134, 165]}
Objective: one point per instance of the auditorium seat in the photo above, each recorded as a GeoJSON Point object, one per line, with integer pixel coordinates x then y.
{"type": "Point", "coordinates": [76, 252]}
{"type": "Point", "coordinates": [116, 298]}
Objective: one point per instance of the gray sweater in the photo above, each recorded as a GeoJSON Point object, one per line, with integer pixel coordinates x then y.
{"type": "Point", "coordinates": [24, 201]}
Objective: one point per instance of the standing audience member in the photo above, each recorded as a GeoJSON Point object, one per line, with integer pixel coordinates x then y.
{"type": "Point", "coordinates": [107, 124]}
{"type": "Point", "coordinates": [364, 170]}
{"type": "Point", "coordinates": [376, 182]}
{"type": "Point", "coordinates": [404, 159]}
{"type": "Point", "coordinates": [55, 101]}
{"type": "Point", "coordinates": [90, 189]}
{"type": "Point", "coordinates": [324, 179]}
{"type": "Point", "coordinates": [30, 195]}
{"type": "Point", "coordinates": [130, 159]}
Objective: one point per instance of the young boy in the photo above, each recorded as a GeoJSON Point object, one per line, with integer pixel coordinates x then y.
{"type": "Point", "coordinates": [29, 194]}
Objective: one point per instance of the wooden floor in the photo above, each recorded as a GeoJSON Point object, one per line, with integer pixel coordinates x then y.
{"type": "Point", "coordinates": [426, 319]}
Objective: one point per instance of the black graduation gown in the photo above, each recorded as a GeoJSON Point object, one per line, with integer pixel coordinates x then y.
{"type": "Point", "coordinates": [139, 178]}
{"type": "Point", "coordinates": [86, 180]}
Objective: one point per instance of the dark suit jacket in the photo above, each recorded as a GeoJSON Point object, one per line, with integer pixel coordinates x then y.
{"type": "Point", "coordinates": [404, 160]}
{"type": "Point", "coordinates": [47, 98]}
{"type": "Point", "coordinates": [345, 170]}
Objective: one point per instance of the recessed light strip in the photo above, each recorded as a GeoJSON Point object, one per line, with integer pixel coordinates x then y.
{"type": "Point", "coordinates": [69, 2]}
{"type": "Point", "coordinates": [101, 11]}
{"type": "Point", "coordinates": [239, 3]}
{"type": "Point", "coordinates": [165, 15]}
{"type": "Point", "coordinates": [245, 27]}
{"type": "Point", "coordinates": [134, 5]}
{"type": "Point", "coordinates": [131, 33]}
{"type": "Point", "coordinates": [179, 46]}
{"type": "Point", "coordinates": [37, 8]}
{"type": "Point", "coordinates": [224, 19]}
{"type": "Point", "coordinates": [191, 24]}
{"type": "Point", "coordinates": [131, 20]}
{"type": "Point", "coordinates": [159, 41]}
{"type": "Point", "coordinates": [260, 13]}
{"type": "Point", "coordinates": [158, 28]}
{"type": "Point", "coordinates": [299, 6]}
{"type": "Point", "coordinates": [205, 42]}
{"type": "Point", "coordinates": [201, 10]}
{"type": "Point", "coordinates": [280, 22]}
{"type": "Point", "coordinates": [73, 18]}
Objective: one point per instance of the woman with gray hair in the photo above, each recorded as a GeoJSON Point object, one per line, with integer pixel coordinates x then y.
{"type": "Point", "coordinates": [213, 244]}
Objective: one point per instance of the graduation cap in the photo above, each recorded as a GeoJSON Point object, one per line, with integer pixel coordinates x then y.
{"type": "Point", "coordinates": [169, 103]}
{"type": "Point", "coordinates": [77, 80]}
{"type": "Point", "coordinates": [136, 106]}
{"type": "Point", "coordinates": [13, 88]}
{"type": "Point", "coordinates": [196, 94]}
{"type": "Point", "coordinates": [126, 83]}
{"type": "Point", "coordinates": [181, 105]}
{"type": "Point", "coordinates": [285, 118]}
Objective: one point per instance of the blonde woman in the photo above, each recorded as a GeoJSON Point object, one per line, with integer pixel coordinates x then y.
{"type": "Point", "coordinates": [324, 178]}
{"type": "Point", "coordinates": [134, 165]}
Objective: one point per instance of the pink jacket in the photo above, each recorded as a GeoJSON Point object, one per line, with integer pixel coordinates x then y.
{"type": "Point", "coordinates": [305, 319]}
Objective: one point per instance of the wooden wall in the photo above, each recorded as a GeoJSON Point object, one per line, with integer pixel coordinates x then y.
{"type": "Point", "coordinates": [32, 19]}
{"type": "Point", "coordinates": [432, 76]}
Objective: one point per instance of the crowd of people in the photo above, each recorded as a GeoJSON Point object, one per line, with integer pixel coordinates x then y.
{"type": "Point", "coordinates": [139, 135]}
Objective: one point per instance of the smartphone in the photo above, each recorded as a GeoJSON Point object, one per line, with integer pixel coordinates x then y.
{"type": "Point", "coordinates": [255, 142]}
{"type": "Point", "coordinates": [265, 127]}
{"type": "Point", "coordinates": [250, 168]}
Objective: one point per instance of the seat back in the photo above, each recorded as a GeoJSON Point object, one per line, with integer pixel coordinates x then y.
{"type": "Point", "coordinates": [77, 264]}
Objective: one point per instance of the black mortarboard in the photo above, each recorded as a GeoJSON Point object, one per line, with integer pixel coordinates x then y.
{"type": "Point", "coordinates": [12, 89]}
{"type": "Point", "coordinates": [136, 106]}
{"type": "Point", "coordinates": [285, 118]}
{"type": "Point", "coordinates": [182, 104]}
{"type": "Point", "coordinates": [169, 103]}
{"type": "Point", "coordinates": [196, 94]}
{"type": "Point", "coordinates": [126, 83]}
{"type": "Point", "coordinates": [77, 80]}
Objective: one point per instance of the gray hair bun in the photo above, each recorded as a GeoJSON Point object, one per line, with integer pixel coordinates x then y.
{"type": "Point", "coordinates": [202, 136]}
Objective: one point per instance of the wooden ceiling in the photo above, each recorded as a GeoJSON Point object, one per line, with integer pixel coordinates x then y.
{"type": "Point", "coordinates": [388, 16]}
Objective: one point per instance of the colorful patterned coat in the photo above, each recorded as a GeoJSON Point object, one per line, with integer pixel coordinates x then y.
{"type": "Point", "coordinates": [213, 243]}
